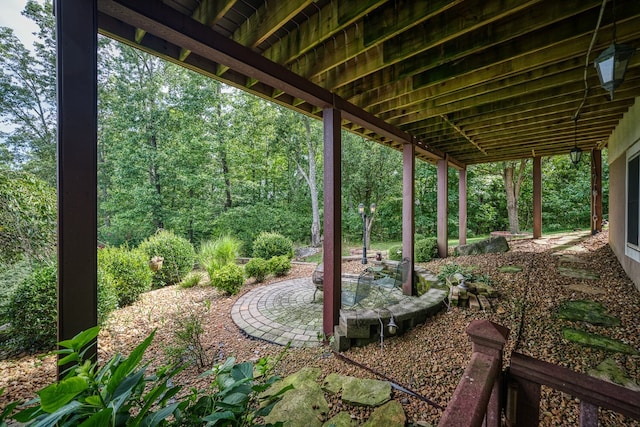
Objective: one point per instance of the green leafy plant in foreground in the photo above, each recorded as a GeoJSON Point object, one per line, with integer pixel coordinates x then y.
{"type": "Point", "coordinates": [121, 393]}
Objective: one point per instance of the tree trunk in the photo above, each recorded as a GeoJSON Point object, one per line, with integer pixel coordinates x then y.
{"type": "Point", "coordinates": [154, 177]}
{"type": "Point", "coordinates": [512, 184]}
{"type": "Point", "coordinates": [313, 187]}
{"type": "Point", "coordinates": [222, 151]}
{"type": "Point", "coordinates": [369, 226]}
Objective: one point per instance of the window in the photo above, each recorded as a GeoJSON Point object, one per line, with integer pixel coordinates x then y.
{"type": "Point", "coordinates": [633, 203]}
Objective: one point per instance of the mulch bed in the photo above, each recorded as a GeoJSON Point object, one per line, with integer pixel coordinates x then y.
{"type": "Point", "coordinates": [429, 359]}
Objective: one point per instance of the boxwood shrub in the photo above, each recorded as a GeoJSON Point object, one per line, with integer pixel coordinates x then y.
{"type": "Point", "coordinates": [229, 278]}
{"type": "Point", "coordinates": [177, 253]}
{"type": "Point", "coordinates": [258, 268]}
{"type": "Point", "coordinates": [33, 309]}
{"type": "Point", "coordinates": [269, 245]}
{"type": "Point", "coordinates": [425, 249]}
{"type": "Point", "coordinates": [280, 265]}
{"type": "Point", "coordinates": [129, 271]}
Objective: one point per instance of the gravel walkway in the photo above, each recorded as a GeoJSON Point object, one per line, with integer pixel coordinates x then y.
{"type": "Point", "coordinates": [429, 359]}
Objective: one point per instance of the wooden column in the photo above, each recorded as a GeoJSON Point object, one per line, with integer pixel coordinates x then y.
{"type": "Point", "coordinates": [77, 44]}
{"type": "Point", "coordinates": [443, 211]}
{"type": "Point", "coordinates": [332, 245]}
{"type": "Point", "coordinates": [537, 197]}
{"type": "Point", "coordinates": [408, 223]}
{"type": "Point", "coordinates": [462, 207]}
{"type": "Point", "coordinates": [596, 191]}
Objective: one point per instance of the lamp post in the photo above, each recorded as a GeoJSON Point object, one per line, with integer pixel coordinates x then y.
{"type": "Point", "coordinates": [363, 214]}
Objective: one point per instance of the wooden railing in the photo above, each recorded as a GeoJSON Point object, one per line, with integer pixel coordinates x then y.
{"type": "Point", "coordinates": [478, 398]}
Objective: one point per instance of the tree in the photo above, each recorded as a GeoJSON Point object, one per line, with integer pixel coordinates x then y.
{"type": "Point", "coordinates": [512, 184]}
{"type": "Point", "coordinates": [28, 95]}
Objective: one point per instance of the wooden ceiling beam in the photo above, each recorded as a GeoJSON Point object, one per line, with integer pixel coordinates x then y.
{"type": "Point", "coordinates": [327, 25]}
{"type": "Point", "coordinates": [417, 35]}
{"type": "Point", "coordinates": [208, 12]}
{"type": "Point", "coordinates": [480, 68]}
{"type": "Point", "coordinates": [264, 23]}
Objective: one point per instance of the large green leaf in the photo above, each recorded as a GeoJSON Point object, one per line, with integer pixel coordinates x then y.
{"type": "Point", "coordinates": [99, 419]}
{"type": "Point", "coordinates": [56, 395]}
{"type": "Point", "coordinates": [156, 418]}
{"type": "Point", "coordinates": [82, 339]}
{"type": "Point", "coordinates": [129, 364]}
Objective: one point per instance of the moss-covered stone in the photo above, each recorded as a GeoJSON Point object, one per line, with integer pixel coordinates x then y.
{"type": "Point", "coordinates": [388, 415]}
{"type": "Point", "coordinates": [586, 311]}
{"type": "Point", "coordinates": [609, 370]}
{"type": "Point", "coordinates": [510, 269]}
{"type": "Point", "coordinates": [341, 419]}
{"type": "Point", "coordinates": [597, 341]}
{"type": "Point", "coordinates": [366, 392]}
{"type": "Point", "coordinates": [578, 273]}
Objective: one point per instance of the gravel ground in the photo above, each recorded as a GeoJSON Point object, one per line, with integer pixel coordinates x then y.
{"type": "Point", "coordinates": [429, 359]}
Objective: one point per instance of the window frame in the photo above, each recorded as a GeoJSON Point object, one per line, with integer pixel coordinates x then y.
{"type": "Point", "coordinates": [631, 250]}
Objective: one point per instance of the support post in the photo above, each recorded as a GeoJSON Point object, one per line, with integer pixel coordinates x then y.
{"type": "Point", "coordinates": [462, 206]}
{"type": "Point", "coordinates": [443, 210]}
{"type": "Point", "coordinates": [596, 191]}
{"type": "Point", "coordinates": [332, 245]}
{"type": "Point", "coordinates": [408, 223]}
{"type": "Point", "coordinates": [77, 47]}
{"type": "Point", "coordinates": [537, 197]}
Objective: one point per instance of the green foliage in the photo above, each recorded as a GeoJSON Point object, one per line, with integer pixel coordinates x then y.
{"type": "Point", "coordinates": [122, 393]}
{"type": "Point", "coordinates": [33, 309]}
{"type": "Point", "coordinates": [247, 222]}
{"type": "Point", "coordinates": [129, 271]}
{"type": "Point", "coordinates": [27, 217]}
{"type": "Point", "coordinates": [178, 255]}
{"type": "Point", "coordinates": [229, 278]}
{"type": "Point", "coordinates": [450, 269]}
{"type": "Point", "coordinates": [425, 249]}
{"type": "Point", "coordinates": [118, 393]}
{"type": "Point", "coordinates": [395, 253]}
{"type": "Point", "coordinates": [192, 279]}
{"type": "Point", "coordinates": [187, 336]}
{"type": "Point", "coordinates": [280, 265]}
{"type": "Point", "coordinates": [10, 277]}
{"type": "Point", "coordinates": [258, 268]}
{"type": "Point", "coordinates": [215, 254]}
{"type": "Point", "coordinates": [107, 295]}
{"type": "Point", "coordinates": [236, 400]}
{"type": "Point", "coordinates": [268, 245]}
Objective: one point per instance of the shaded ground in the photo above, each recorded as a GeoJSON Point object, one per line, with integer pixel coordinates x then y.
{"type": "Point", "coordinates": [429, 359]}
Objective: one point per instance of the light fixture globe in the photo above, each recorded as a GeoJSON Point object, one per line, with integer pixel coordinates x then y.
{"type": "Point", "coordinates": [575, 155]}
{"type": "Point", "coordinates": [612, 64]}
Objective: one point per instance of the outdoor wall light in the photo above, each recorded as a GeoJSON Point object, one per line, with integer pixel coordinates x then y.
{"type": "Point", "coordinates": [612, 62]}
{"type": "Point", "coordinates": [365, 223]}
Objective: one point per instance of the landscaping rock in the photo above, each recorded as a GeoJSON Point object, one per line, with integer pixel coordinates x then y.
{"type": "Point", "coordinates": [341, 419]}
{"type": "Point", "coordinates": [388, 415]}
{"type": "Point", "coordinates": [598, 341]}
{"type": "Point", "coordinates": [487, 246]}
{"type": "Point", "coordinates": [366, 392]}
{"type": "Point", "coordinates": [609, 370]}
{"type": "Point", "coordinates": [578, 273]}
{"type": "Point", "coordinates": [333, 383]}
{"type": "Point", "coordinates": [305, 405]}
{"type": "Point", "coordinates": [586, 311]}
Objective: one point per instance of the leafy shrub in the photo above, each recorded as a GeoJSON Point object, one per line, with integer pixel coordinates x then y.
{"type": "Point", "coordinates": [258, 268]}
{"type": "Point", "coordinates": [269, 245]}
{"type": "Point", "coordinates": [450, 269]}
{"type": "Point", "coordinates": [191, 279]}
{"type": "Point", "coordinates": [188, 337]}
{"type": "Point", "coordinates": [28, 217]}
{"type": "Point", "coordinates": [10, 277]}
{"type": "Point", "coordinates": [425, 249]}
{"type": "Point", "coordinates": [395, 253]}
{"type": "Point", "coordinates": [229, 278]}
{"type": "Point", "coordinates": [177, 253]}
{"type": "Point", "coordinates": [121, 393]}
{"type": "Point", "coordinates": [33, 309]}
{"type": "Point", "coordinates": [215, 254]}
{"type": "Point", "coordinates": [280, 265]}
{"type": "Point", "coordinates": [129, 271]}
{"type": "Point", "coordinates": [107, 295]}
